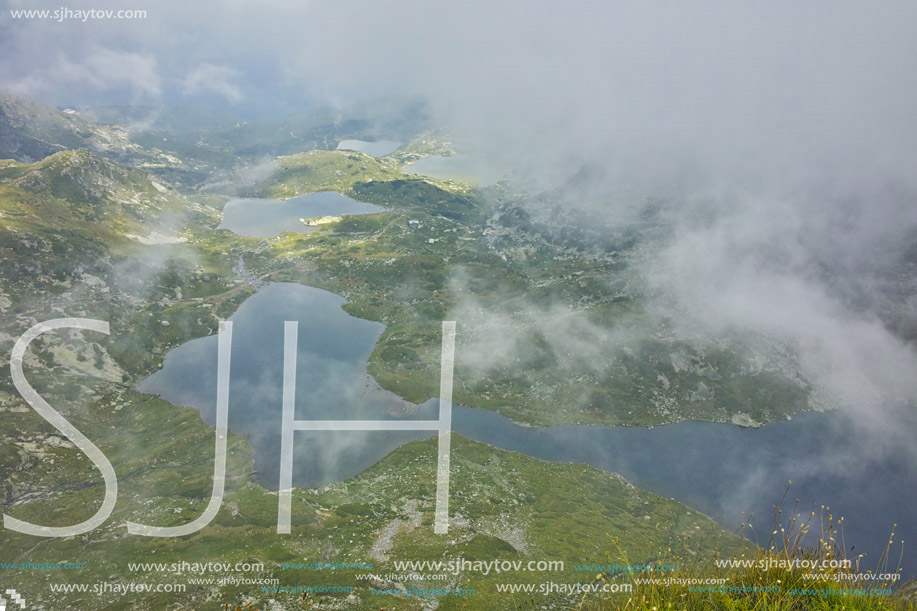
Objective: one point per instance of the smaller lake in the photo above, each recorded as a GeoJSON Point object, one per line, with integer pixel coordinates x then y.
{"type": "Point", "coordinates": [455, 167]}
{"type": "Point", "coordinates": [263, 218]}
{"type": "Point", "coordinates": [379, 148]}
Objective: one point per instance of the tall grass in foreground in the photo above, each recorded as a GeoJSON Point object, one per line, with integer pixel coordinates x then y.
{"type": "Point", "coordinates": [769, 581]}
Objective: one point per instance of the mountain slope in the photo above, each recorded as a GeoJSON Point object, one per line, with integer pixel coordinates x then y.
{"type": "Point", "coordinates": [29, 130]}
{"type": "Point", "coordinates": [65, 213]}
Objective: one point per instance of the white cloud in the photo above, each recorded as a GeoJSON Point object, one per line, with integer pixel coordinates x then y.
{"type": "Point", "coordinates": [102, 71]}
{"type": "Point", "coordinates": [209, 78]}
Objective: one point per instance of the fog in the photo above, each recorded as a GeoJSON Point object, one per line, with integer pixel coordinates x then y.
{"type": "Point", "coordinates": [779, 136]}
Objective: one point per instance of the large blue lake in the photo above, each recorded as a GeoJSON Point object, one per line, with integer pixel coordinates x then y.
{"type": "Point", "coordinates": [720, 469]}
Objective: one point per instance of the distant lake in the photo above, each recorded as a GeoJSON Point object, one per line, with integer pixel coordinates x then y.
{"type": "Point", "coordinates": [379, 148]}
{"type": "Point", "coordinates": [455, 167]}
{"type": "Point", "coordinates": [719, 469]}
{"type": "Point", "coordinates": [263, 218]}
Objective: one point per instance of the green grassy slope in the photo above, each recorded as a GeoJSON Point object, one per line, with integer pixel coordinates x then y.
{"type": "Point", "coordinates": [503, 506]}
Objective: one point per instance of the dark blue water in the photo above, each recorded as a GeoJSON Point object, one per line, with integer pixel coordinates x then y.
{"type": "Point", "coordinates": [331, 383]}
{"type": "Point", "coordinates": [264, 218]}
{"type": "Point", "coordinates": [719, 469]}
